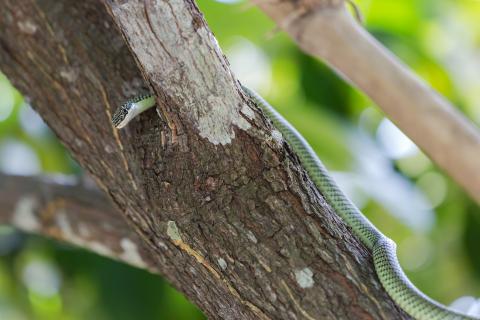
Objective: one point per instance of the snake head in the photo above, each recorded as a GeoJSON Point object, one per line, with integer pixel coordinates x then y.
{"type": "Point", "coordinates": [123, 114]}
{"type": "Point", "coordinates": [131, 108]}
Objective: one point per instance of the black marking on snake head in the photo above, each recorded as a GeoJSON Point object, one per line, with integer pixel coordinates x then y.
{"type": "Point", "coordinates": [122, 112]}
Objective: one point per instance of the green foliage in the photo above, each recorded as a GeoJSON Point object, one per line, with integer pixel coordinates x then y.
{"type": "Point", "coordinates": [432, 220]}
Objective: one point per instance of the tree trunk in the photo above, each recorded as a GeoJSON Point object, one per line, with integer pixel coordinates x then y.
{"type": "Point", "coordinates": [227, 213]}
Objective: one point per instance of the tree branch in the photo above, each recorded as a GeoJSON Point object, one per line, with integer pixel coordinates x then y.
{"type": "Point", "coordinates": [65, 209]}
{"type": "Point", "coordinates": [228, 214]}
{"type": "Point", "coordinates": [323, 28]}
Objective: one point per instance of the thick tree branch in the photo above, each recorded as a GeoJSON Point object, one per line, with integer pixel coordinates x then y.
{"type": "Point", "coordinates": [228, 214]}
{"type": "Point", "coordinates": [65, 209]}
{"type": "Point", "coordinates": [324, 28]}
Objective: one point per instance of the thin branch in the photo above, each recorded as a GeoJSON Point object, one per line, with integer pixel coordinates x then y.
{"type": "Point", "coordinates": [68, 210]}
{"type": "Point", "coordinates": [325, 29]}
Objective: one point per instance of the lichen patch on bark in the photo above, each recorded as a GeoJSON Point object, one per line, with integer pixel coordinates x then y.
{"type": "Point", "coordinates": [222, 263]}
{"type": "Point", "coordinates": [75, 238]}
{"type": "Point", "coordinates": [24, 215]}
{"type": "Point", "coordinates": [216, 125]}
{"type": "Point", "coordinates": [304, 278]}
{"type": "Point", "coordinates": [172, 232]}
{"type": "Point", "coordinates": [130, 253]}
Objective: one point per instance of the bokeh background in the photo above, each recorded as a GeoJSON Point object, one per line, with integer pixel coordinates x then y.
{"type": "Point", "coordinates": [435, 224]}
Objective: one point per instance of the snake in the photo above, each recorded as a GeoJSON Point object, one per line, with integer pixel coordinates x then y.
{"type": "Point", "coordinates": [402, 291]}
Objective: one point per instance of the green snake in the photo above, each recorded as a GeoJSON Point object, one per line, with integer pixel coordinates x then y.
{"type": "Point", "coordinates": [391, 275]}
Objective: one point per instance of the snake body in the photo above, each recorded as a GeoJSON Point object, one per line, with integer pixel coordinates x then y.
{"type": "Point", "coordinates": [383, 249]}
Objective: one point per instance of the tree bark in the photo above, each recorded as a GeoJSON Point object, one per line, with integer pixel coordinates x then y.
{"type": "Point", "coordinates": [227, 213]}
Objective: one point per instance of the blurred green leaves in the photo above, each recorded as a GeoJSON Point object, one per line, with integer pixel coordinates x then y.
{"type": "Point", "coordinates": [45, 280]}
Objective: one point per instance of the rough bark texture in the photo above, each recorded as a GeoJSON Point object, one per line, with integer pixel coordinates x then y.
{"type": "Point", "coordinates": [73, 211]}
{"type": "Point", "coordinates": [325, 29]}
{"type": "Point", "coordinates": [228, 214]}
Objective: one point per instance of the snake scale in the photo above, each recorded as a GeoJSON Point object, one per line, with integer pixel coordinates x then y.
{"type": "Point", "coordinates": [391, 275]}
